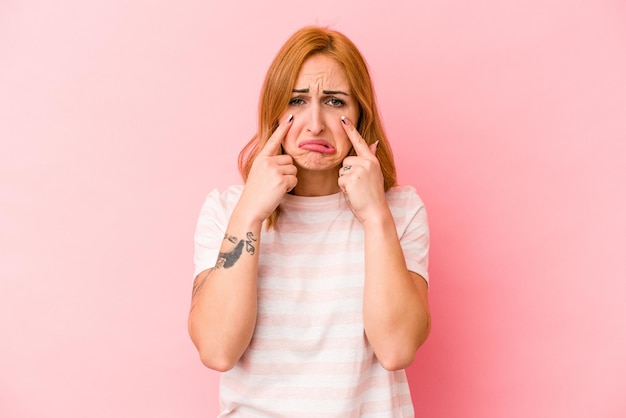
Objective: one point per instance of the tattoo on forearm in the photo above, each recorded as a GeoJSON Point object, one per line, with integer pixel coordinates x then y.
{"type": "Point", "coordinates": [249, 247]}
{"type": "Point", "coordinates": [198, 284]}
{"type": "Point", "coordinates": [228, 259]}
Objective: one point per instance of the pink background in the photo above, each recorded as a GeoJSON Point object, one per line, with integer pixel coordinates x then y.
{"type": "Point", "coordinates": [116, 119]}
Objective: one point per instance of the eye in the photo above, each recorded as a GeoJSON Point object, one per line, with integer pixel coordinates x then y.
{"type": "Point", "coordinates": [335, 102]}
{"type": "Point", "coordinates": [296, 101]}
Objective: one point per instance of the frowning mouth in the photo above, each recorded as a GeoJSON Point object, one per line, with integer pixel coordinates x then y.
{"type": "Point", "coordinates": [317, 145]}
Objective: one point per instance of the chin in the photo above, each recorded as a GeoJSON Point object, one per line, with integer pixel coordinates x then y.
{"type": "Point", "coordinates": [317, 163]}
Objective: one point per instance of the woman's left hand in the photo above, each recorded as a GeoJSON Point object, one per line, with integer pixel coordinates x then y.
{"type": "Point", "coordinates": [360, 177]}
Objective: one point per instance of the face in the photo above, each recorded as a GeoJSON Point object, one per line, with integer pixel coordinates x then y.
{"type": "Point", "coordinates": [316, 140]}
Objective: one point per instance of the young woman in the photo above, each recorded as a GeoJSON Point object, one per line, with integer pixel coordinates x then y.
{"type": "Point", "coordinates": [310, 292]}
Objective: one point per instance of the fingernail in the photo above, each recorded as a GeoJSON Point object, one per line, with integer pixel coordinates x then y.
{"type": "Point", "coordinates": [290, 118]}
{"type": "Point", "coordinates": [343, 120]}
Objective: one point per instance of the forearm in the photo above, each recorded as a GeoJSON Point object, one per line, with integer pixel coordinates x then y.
{"type": "Point", "coordinates": [224, 301]}
{"type": "Point", "coordinates": [395, 306]}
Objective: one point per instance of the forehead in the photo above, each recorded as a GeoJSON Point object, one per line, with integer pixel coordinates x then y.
{"type": "Point", "coordinates": [322, 71]}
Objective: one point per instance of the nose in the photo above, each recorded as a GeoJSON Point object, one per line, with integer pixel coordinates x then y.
{"type": "Point", "coordinates": [315, 123]}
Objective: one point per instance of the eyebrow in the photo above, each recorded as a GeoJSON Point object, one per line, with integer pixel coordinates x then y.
{"type": "Point", "coordinates": [323, 91]}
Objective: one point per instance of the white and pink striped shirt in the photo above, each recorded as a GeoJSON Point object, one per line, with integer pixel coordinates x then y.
{"type": "Point", "coordinates": [309, 356]}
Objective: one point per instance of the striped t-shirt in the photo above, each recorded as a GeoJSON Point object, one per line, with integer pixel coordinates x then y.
{"type": "Point", "coordinates": [309, 356]}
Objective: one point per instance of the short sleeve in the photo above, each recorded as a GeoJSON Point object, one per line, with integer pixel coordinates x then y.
{"type": "Point", "coordinates": [211, 227]}
{"type": "Point", "coordinates": [412, 224]}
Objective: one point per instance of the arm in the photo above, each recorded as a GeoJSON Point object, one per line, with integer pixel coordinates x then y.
{"type": "Point", "coordinates": [224, 299]}
{"type": "Point", "coordinates": [396, 315]}
{"type": "Point", "coordinates": [395, 306]}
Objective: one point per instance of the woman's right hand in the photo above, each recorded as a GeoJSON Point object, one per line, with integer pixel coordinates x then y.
{"type": "Point", "coordinates": [271, 176]}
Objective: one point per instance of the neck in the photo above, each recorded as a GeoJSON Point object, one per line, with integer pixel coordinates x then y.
{"type": "Point", "coordinates": [316, 183]}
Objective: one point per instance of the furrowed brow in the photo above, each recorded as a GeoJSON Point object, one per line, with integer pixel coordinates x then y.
{"type": "Point", "coordinates": [323, 91]}
{"type": "Point", "coordinates": [335, 92]}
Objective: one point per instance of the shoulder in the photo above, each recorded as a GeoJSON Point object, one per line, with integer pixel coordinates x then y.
{"type": "Point", "coordinates": [404, 196]}
{"type": "Point", "coordinates": [407, 207]}
{"type": "Point", "coordinates": [225, 198]}
{"type": "Point", "coordinates": [218, 204]}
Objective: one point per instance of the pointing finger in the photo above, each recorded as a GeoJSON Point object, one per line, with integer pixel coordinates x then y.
{"type": "Point", "coordinates": [360, 146]}
{"type": "Point", "coordinates": [274, 142]}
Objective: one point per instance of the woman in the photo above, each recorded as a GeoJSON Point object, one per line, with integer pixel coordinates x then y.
{"type": "Point", "coordinates": [311, 279]}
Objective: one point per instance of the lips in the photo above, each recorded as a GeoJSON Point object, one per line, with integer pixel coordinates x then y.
{"type": "Point", "coordinates": [317, 145]}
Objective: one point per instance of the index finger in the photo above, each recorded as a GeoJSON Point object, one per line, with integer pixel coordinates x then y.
{"type": "Point", "coordinates": [358, 143]}
{"type": "Point", "coordinates": [274, 142]}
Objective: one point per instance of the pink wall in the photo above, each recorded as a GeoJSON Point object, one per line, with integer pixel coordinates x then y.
{"type": "Point", "coordinates": [116, 118]}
